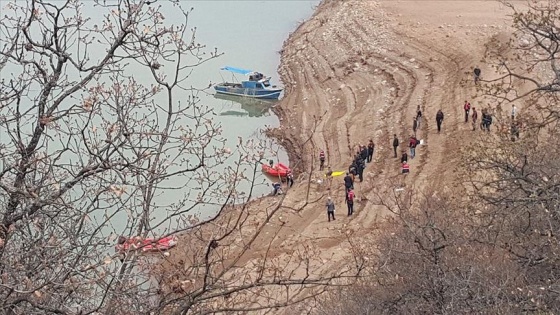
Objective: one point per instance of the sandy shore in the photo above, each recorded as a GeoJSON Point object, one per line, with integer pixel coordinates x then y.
{"type": "Point", "coordinates": [357, 70]}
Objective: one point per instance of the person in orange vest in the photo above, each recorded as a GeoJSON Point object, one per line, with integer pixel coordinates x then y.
{"type": "Point", "coordinates": [321, 160]}
{"type": "Point", "coordinates": [405, 168]}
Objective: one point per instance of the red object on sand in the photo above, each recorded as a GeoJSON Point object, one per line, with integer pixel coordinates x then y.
{"type": "Point", "coordinates": [147, 244]}
{"type": "Point", "coordinates": [277, 170]}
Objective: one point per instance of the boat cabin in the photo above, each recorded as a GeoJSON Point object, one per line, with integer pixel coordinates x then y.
{"type": "Point", "coordinates": [261, 84]}
{"type": "Point", "coordinates": [256, 76]}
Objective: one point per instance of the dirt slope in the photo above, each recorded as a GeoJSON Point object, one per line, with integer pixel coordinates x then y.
{"type": "Point", "coordinates": [357, 70]}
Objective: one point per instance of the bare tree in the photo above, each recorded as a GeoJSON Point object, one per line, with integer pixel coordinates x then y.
{"type": "Point", "coordinates": [428, 261]}
{"type": "Point", "coordinates": [527, 64]}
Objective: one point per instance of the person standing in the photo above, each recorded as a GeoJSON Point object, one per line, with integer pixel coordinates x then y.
{"type": "Point", "coordinates": [513, 112]}
{"type": "Point", "coordinates": [350, 201]}
{"type": "Point", "coordinates": [348, 182]}
{"type": "Point", "coordinates": [321, 160]}
{"type": "Point", "coordinates": [467, 108]}
{"type": "Point", "coordinates": [290, 179]}
{"type": "Point", "coordinates": [395, 144]}
{"type": "Point", "coordinates": [439, 120]}
{"type": "Point", "coordinates": [361, 165]}
{"type": "Point", "coordinates": [488, 121]}
{"type": "Point", "coordinates": [412, 145]}
{"type": "Point", "coordinates": [474, 118]}
{"type": "Point", "coordinates": [364, 153]}
{"type": "Point", "coordinates": [328, 175]}
{"type": "Point", "coordinates": [330, 209]}
{"type": "Point", "coordinates": [483, 120]}
{"type": "Point", "coordinates": [477, 73]}
{"type": "Point", "coordinates": [370, 149]}
{"type": "Point", "coordinates": [414, 125]}
{"type": "Point", "coordinates": [418, 116]}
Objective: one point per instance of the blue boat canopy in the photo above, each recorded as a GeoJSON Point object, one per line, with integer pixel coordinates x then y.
{"type": "Point", "coordinates": [236, 70]}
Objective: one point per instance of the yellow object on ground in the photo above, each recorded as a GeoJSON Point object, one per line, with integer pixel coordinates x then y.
{"type": "Point", "coordinates": [337, 173]}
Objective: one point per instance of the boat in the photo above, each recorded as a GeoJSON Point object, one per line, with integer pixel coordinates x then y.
{"type": "Point", "coordinates": [257, 85]}
{"type": "Point", "coordinates": [244, 106]}
{"type": "Point", "coordinates": [145, 245]}
{"type": "Point", "coordinates": [278, 170]}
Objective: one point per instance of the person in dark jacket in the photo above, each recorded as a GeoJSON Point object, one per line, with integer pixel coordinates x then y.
{"type": "Point", "coordinates": [370, 149]}
{"type": "Point", "coordinates": [330, 209]}
{"type": "Point", "coordinates": [418, 116]}
{"type": "Point", "coordinates": [477, 73]}
{"type": "Point", "coordinates": [290, 179]}
{"type": "Point", "coordinates": [361, 165]}
{"type": "Point", "coordinates": [467, 108]}
{"type": "Point", "coordinates": [395, 144]}
{"type": "Point", "coordinates": [348, 182]}
{"type": "Point", "coordinates": [404, 157]}
{"type": "Point", "coordinates": [486, 120]}
{"type": "Point", "coordinates": [474, 118]}
{"type": "Point", "coordinates": [364, 153]}
{"type": "Point", "coordinates": [414, 126]}
{"type": "Point", "coordinates": [439, 120]}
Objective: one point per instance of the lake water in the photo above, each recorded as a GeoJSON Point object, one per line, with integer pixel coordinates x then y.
{"type": "Point", "coordinates": [250, 34]}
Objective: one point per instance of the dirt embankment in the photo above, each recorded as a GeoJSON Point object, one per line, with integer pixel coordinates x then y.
{"type": "Point", "coordinates": [357, 70]}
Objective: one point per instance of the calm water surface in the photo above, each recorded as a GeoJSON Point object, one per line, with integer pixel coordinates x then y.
{"type": "Point", "coordinates": [251, 34]}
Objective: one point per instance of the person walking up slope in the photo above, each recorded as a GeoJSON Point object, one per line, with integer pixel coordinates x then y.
{"type": "Point", "coordinates": [350, 201]}
{"type": "Point", "coordinates": [474, 118]}
{"type": "Point", "coordinates": [330, 209]}
{"type": "Point", "coordinates": [395, 144]}
{"type": "Point", "coordinates": [412, 145]}
{"type": "Point", "coordinates": [467, 108]}
{"type": "Point", "coordinates": [370, 149]}
{"type": "Point", "coordinates": [439, 120]}
{"type": "Point", "coordinates": [418, 116]}
{"type": "Point", "coordinates": [321, 160]}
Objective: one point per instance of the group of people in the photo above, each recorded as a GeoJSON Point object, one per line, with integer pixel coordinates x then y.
{"type": "Point", "coordinates": [364, 154]}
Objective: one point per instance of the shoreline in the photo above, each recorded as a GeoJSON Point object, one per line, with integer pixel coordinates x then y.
{"type": "Point", "coordinates": [354, 71]}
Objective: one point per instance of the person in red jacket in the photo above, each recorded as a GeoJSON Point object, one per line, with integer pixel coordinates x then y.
{"type": "Point", "coordinates": [405, 168]}
{"type": "Point", "coordinates": [321, 160]}
{"type": "Point", "coordinates": [467, 108]}
{"type": "Point", "coordinates": [350, 201]}
{"type": "Point", "coordinates": [412, 145]}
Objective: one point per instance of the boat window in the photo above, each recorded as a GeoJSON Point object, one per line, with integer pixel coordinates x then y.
{"type": "Point", "coordinates": [266, 83]}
